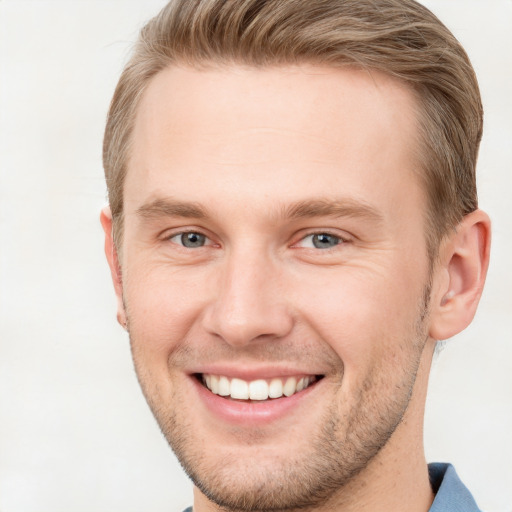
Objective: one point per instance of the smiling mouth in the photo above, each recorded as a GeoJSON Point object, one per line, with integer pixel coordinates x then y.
{"type": "Point", "coordinates": [257, 390]}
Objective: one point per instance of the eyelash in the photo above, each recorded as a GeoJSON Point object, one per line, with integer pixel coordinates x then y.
{"type": "Point", "coordinates": [181, 234]}
{"type": "Point", "coordinates": [340, 240]}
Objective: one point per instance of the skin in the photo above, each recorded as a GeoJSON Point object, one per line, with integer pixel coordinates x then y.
{"type": "Point", "coordinates": [250, 159]}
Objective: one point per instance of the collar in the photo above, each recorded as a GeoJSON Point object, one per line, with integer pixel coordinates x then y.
{"type": "Point", "coordinates": [451, 494]}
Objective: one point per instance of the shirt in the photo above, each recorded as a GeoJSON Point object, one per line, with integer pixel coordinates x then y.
{"type": "Point", "coordinates": [451, 494]}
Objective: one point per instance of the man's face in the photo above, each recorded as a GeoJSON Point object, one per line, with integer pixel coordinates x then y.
{"type": "Point", "coordinates": [274, 240]}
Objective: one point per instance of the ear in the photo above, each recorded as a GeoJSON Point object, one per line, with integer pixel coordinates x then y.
{"type": "Point", "coordinates": [459, 276]}
{"type": "Point", "coordinates": [113, 263]}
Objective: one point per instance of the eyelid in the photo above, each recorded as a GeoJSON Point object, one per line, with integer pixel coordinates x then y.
{"type": "Point", "coordinates": [344, 238]}
{"type": "Point", "coordinates": [168, 235]}
{"type": "Point", "coordinates": [177, 236]}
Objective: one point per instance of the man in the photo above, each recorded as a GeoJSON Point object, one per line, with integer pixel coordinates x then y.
{"type": "Point", "coordinates": [293, 224]}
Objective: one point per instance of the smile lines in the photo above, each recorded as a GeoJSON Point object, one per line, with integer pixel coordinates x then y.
{"type": "Point", "coordinates": [260, 389]}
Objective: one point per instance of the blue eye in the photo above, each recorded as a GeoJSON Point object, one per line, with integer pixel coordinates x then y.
{"type": "Point", "coordinates": [321, 241]}
{"type": "Point", "coordinates": [191, 240]}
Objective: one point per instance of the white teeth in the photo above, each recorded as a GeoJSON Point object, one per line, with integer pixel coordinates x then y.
{"type": "Point", "coordinates": [290, 386]}
{"type": "Point", "coordinates": [259, 389]}
{"type": "Point", "coordinates": [239, 389]}
{"type": "Point", "coordinates": [275, 390]}
{"type": "Point", "coordinates": [214, 384]}
{"type": "Point", "coordinates": [224, 386]}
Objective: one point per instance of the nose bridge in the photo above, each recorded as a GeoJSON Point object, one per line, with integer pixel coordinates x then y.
{"type": "Point", "coordinates": [247, 304]}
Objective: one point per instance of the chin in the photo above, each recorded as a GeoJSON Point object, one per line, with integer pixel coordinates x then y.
{"type": "Point", "coordinates": [264, 476]}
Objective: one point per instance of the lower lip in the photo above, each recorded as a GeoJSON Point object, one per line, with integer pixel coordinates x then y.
{"type": "Point", "coordinates": [250, 413]}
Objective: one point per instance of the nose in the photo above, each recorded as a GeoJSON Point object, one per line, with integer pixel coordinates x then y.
{"type": "Point", "coordinates": [250, 303]}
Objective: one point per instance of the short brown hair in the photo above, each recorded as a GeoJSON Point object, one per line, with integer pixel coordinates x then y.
{"type": "Point", "coordinates": [398, 37]}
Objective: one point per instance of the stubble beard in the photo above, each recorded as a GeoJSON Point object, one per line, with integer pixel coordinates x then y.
{"type": "Point", "coordinates": [344, 445]}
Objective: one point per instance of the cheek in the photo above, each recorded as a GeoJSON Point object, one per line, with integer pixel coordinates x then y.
{"type": "Point", "coordinates": [162, 305]}
{"type": "Point", "coordinates": [368, 319]}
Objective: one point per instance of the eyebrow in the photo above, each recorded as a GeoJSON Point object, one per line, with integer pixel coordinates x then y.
{"type": "Point", "coordinates": [333, 208]}
{"type": "Point", "coordinates": [171, 208]}
{"type": "Point", "coordinates": [345, 207]}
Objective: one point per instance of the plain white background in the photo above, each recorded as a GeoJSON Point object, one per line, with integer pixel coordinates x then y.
{"type": "Point", "coordinates": [75, 432]}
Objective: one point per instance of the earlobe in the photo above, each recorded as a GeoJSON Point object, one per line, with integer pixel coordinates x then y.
{"type": "Point", "coordinates": [460, 276]}
{"type": "Point", "coordinates": [114, 264]}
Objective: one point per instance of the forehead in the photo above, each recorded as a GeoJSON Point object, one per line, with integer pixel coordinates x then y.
{"type": "Point", "coordinates": [274, 130]}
